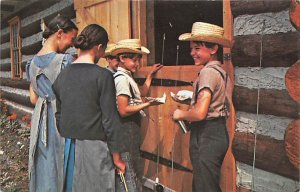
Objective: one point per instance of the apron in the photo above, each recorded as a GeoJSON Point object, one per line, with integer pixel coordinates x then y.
{"type": "Point", "coordinates": [45, 150]}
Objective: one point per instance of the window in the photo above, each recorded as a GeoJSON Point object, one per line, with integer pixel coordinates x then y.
{"type": "Point", "coordinates": [15, 48]}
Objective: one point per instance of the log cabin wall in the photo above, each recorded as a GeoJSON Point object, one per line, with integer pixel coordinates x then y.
{"type": "Point", "coordinates": [15, 91]}
{"type": "Point", "coordinates": [264, 25]}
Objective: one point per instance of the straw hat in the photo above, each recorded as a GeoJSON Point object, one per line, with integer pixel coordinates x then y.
{"type": "Point", "coordinates": [206, 32]}
{"type": "Point", "coordinates": [108, 49]}
{"type": "Point", "coordinates": [129, 46]}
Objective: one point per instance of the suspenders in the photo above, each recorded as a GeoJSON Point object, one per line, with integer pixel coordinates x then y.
{"type": "Point", "coordinates": [130, 88]}
{"type": "Point", "coordinates": [224, 78]}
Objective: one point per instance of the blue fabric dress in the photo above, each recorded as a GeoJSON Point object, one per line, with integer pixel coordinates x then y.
{"type": "Point", "coordinates": [46, 145]}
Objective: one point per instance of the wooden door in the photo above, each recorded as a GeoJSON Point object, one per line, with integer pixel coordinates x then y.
{"type": "Point", "coordinates": [113, 15]}
{"type": "Point", "coordinates": [165, 148]}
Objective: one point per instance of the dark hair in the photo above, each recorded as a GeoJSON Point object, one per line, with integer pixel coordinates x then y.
{"type": "Point", "coordinates": [90, 36]}
{"type": "Point", "coordinates": [111, 57]}
{"type": "Point", "coordinates": [211, 45]}
{"type": "Point", "coordinates": [128, 55]}
{"type": "Point", "coordinates": [59, 22]}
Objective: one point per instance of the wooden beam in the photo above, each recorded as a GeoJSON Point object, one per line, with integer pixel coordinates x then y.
{"type": "Point", "coordinates": [246, 50]}
{"type": "Point", "coordinates": [271, 102]}
{"type": "Point", "coordinates": [8, 8]}
{"type": "Point", "coordinates": [150, 31]}
{"type": "Point", "coordinates": [240, 7]}
{"type": "Point", "coordinates": [19, 84]}
{"type": "Point", "coordinates": [22, 100]}
{"type": "Point", "coordinates": [270, 154]}
{"type": "Point", "coordinates": [228, 169]}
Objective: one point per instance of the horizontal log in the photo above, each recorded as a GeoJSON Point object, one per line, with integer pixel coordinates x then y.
{"type": "Point", "coordinates": [271, 102]}
{"type": "Point", "coordinates": [22, 100]}
{"type": "Point", "coordinates": [20, 110]}
{"type": "Point", "coordinates": [240, 7]}
{"type": "Point", "coordinates": [31, 24]}
{"type": "Point", "coordinates": [270, 154]}
{"type": "Point", "coordinates": [7, 66]}
{"type": "Point", "coordinates": [32, 48]}
{"type": "Point", "coordinates": [19, 84]}
{"type": "Point", "coordinates": [278, 50]}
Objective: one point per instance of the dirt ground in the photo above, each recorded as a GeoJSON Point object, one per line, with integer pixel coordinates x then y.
{"type": "Point", "coordinates": [14, 147]}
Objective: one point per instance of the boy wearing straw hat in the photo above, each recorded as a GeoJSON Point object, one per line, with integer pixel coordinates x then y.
{"type": "Point", "coordinates": [208, 109]}
{"type": "Point", "coordinates": [112, 60]}
{"type": "Point", "coordinates": [130, 105]}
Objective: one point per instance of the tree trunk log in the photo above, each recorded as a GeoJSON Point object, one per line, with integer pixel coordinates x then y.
{"type": "Point", "coordinates": [292, 81]}
{"type": "Point", "coordinates": [22, 100]}
{"type": "Point", "coordinates": [240, 7]}
{"type": "Point", "coordinates": [271, 102]}
{"type": "Point", "coordinates": [292, 143]}
{"type": "Point", "coordinates": [295, 14]}
{"type": "Point", "coordinates": [270, 154]}
{"type": "Point", "coordinates": [279, 50]}
{"type": "Point", "coordinates": [19, 84]}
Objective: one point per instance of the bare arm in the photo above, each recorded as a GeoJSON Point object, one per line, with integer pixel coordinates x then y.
{"type": "Point", "coordinates": [33, 96]}
{"type": "Point", "coordinates": [145, 88]}
{"type": "Point", "coordinates": [125, 109]}
{"type": "Point", "coordinates": [199, 111]}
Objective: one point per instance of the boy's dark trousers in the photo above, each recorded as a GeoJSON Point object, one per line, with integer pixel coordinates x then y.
{"type": "Point", "coordinates": [208, 146]}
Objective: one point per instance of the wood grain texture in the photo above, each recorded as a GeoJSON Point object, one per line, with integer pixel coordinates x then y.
{"type": "Point", "coordinates": [271, 102]}
{"type": "Point", "coordinates": [240, 7]}
{"type": "Point", "coordinates": [270, 154]}
{"type": "Point", "coordinates": [246, 50]}
{"type": "Point", "coordinates": [292, 143]}
{"type": "Point", "coordinates": [292, 81]}
{"type": "Point", "coordinates": [295, 14]}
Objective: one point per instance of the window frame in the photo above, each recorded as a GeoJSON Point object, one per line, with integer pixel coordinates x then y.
{"type": "Point", "coordinates": [15, 21]}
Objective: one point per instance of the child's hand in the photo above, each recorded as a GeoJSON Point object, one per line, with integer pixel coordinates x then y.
{"type": "Point", "coordinates": [154, 102]}
{"type": "Point", "coordinates": [177, 114]}
{"type": "Point", "coordinates": [119, 163]}
{"type": "Point", "coordinates": [155, 68]}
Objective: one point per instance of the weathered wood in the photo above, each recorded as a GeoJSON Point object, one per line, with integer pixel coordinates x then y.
{"type": "Point", "coordinates": [246, 50]}
{"type": "Point", "coordinates": [150, 31]}
{"type": "Point", "coordinates": [32, 48]}
{"type": "Point", "coordinates": [228, 169]}
{"type": "Point", "coordinates": [271, 102]}
{"type": "Point", "coordinates": [240, 7]}
{"type": "Point", "coordinates": [22, 100]}
{"type": "Point", "coordinates": [19, 84]}
{"type": "Point", "coordinates": [270, 154]}
{"type": "Point", "coordinates": [7, 66]}
{"type": "Point", "coordinates": [292, 143]}
{"type": "Point", "coordinates": [159, 131]}
{"type": "Point", "coordinates": [295, 14]}
{"type": "Point", "coordinates": [292, 81]}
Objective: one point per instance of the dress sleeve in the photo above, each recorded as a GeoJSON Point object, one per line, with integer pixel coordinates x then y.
{"type": "Point", "coordinates": [209, 78]}
{"type": "Point", "coordinates": [110, 116]}
{"type": "Point", "coordinates": [122, 86]}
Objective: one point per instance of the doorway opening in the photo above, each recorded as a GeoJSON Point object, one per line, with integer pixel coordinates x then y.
{"type": "Point", "coordinates": [173, 18]}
